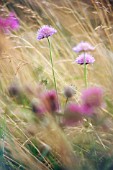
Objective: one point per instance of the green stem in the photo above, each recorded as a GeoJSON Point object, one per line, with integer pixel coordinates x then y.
{"type": "Point", "coordinates": [85, 71]}
{"type": "Point", "coordinates": [2, 136]}
{"type": "Point", "coordinates": [66, 101]}
{"type": "Point", "coordinates": [51, 59]}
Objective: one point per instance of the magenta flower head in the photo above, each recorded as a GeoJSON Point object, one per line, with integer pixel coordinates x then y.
{"type": "Point", "coordinates": [3, 24]}
{"type": "Point", "coordinates": [87, 110]}
{"type": "Point", "coordinates": [85, 58]}
{"type": "Point", "coordinates": [92, 98]}
{"type": "Point", "coordinates": [72, 114]}
{"type": "Point", "coordinates": [45, 31]}
{"type": "Point", "coordinates": [50, 101]}
{"type": "Point", "coordinates": [9, 23]}
{"type": "Point", "coordinates": [83, 46]}
{"type": "Point", "coordinates": [12, 21]}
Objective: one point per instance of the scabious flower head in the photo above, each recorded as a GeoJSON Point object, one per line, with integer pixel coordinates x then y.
{"type": "Point", "coordinates": [92, 98]}
{"type": "Point", "coordinates": [12, 21]}
{"type": "Point", "coordinates": [9, 23]}
{"type": "Point", "coordinates": [72, 114]}
{"type": "Point", "coordinates": [87, 110]}
{"type": "Point", "coordinates": [3, 23]}
{"type": "Point", "coordinates": [50, 101]}
{"type": "Point", "coordinates": [45, 31]}
{"type": "Point", "coordinates": [87, 58]}
{"type": "Point", "coordinates": [83, 46]}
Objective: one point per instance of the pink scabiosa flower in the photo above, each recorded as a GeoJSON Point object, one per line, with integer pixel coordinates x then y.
{"type": "Point", "coordinates": [9, 23]}
{"type": "Point", "coordinates": [92, 98]}
{"type": "Point", "coordinates": [45, 31]}
{"type": "Point", "coordinates": [3, 24]}
{"type": "Point", "coordinates": [12, 21]}
{"type": "Point", "coordinates": [72, 114]}
{"type": "Point", "coordinates": [85, 59]}
{"type": "Point", "coordinates": [87, 110]}
{"type": "Point", "coordinates": [83, 46]}
{"type": "Point", "coordinates": [50, 101]}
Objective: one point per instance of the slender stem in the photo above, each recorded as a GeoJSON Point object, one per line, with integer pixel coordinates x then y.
{"type": "Point", "coordinates": [66, 101]}
{"type": "Point", "coordinates": [3, 135]}
{"type": "Point", "coordinates": [85, 71]}
{"type": "Point", "coordinates": [51, 59]}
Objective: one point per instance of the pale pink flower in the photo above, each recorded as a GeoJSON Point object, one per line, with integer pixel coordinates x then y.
{"type": "Point", "coordinates": [85, 58]}
{"type": "Point", "coordinates": [72, 114]}
{"type": "Point", "coordinates": [83, 46]}
{"type": "Point", "coordinates": [87, 110]}
{"type": "Point", "coordinates": [45, 31]}
{"type": "Point", "coordinates": [92, 98]}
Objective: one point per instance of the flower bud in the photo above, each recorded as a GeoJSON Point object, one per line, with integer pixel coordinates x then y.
{"type": "Point", "coordinates": [36, 108]}
{"type": "Point", "coordinates": [14, 90]}
{"type": "Point", "coordinates": [68, 91]}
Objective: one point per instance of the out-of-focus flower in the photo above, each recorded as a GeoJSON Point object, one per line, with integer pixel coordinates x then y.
{"type": "Point", "coordinates": [3, 23]}
{"type": "Point", "coordinates": [83, 46]}
{"type": "Point", "coordinates": [37, 108]}
{"type": "Point", "coordinates": [72, 114]}
{"type": "Point", "coordinates": [14, 90]}
{"type": "Point", "coordinates": [69, 91]}
{"type": "Point", "coordinates": [9, 23]}
{"type": "Point", "coordinates": [12, 21]}
{"type": "Point", "coordinates": [50, 101]}
{"type": "Point", "coordinates": [87, 110]}
{"type": "Point", "coordinates": [91, 98]}
{"type": "Point", "coordinates": [85, 58]}
{"type": "Point", "coordinates": [45, 31]}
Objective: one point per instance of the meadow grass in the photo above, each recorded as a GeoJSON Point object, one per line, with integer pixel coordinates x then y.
{"type": "Point", "coordinates": [30, 142]}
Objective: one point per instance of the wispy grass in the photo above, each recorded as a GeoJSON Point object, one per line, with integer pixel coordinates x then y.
{"type": "Point", "coordinates": [25, 59]}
